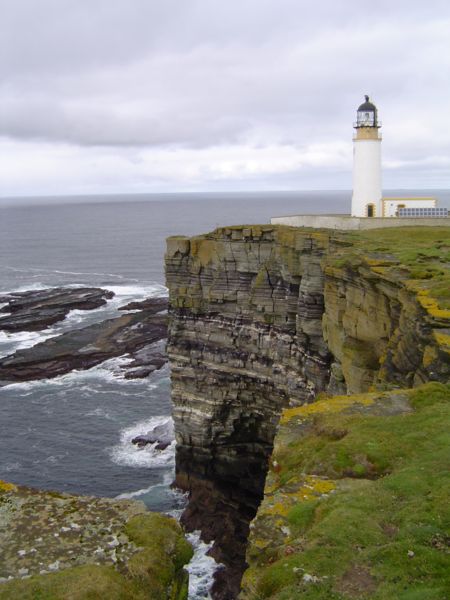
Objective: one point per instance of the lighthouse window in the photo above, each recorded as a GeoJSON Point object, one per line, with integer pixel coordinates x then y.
{"type": "Point", "coordinates": [365, 119]}
{"type": "Point", "coordinates": [371, 210]}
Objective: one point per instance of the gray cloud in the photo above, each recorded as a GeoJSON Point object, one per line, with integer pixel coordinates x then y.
{"type": "Point", "coordinates": [203, 74]}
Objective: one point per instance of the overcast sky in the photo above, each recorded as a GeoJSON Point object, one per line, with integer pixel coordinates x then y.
{"type": "Point", "coordinates": [110, 96]}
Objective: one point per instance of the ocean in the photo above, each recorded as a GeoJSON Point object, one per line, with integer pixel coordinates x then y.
{"type": "Point", "coordinates": [73, 433]}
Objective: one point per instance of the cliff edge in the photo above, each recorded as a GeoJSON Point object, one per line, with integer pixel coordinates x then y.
{"type": "Point", "coordinates": [268, 317]}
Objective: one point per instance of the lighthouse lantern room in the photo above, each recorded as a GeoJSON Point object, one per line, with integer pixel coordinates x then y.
{"type": "Point", "coordinates": [367, 192]}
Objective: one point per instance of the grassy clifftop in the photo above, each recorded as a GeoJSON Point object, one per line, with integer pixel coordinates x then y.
{"type": "Point", "coordinates": [419, 255]}
{"type": "Point", "coordinates": [356, 501]}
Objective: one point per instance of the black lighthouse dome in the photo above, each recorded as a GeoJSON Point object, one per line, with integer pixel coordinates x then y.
{"type": "Point", "coordinates": [366, 115]}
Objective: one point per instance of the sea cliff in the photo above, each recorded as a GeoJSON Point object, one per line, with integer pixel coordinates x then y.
{"type": "Point", "coordinates": [268, 317]}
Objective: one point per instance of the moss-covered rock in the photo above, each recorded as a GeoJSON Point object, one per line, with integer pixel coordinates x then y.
{"type": "Point", "coordinates": [59, 547]}
{"type": "Point", "coordinates": [385, 295]}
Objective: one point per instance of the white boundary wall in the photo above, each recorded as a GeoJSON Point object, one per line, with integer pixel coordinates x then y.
{"type": "Point", "coordinates": [355, 223]}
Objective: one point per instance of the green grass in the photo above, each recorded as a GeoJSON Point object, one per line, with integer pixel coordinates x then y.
{"type": "Point", "coordinates": [392, 528]}
{"type": "Point", "coordinates": [301, 515]}
{"type": "Point", "coordinates": [423, 251]}
{"type": "Point", "coordinates": [374, 446]}
{"type": "Point", "coordinates": [79, 583]}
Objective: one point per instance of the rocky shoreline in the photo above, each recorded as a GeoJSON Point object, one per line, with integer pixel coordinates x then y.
{"type": "Point", "coordinates": [36, 310]}
{"type": "Point", "coordinates": [58, 545]}
{"type": "Point", "coordinates": [139, 334]}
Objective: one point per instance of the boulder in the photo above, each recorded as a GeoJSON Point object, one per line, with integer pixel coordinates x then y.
{"type": "Point", "coordinates": [161, 435]}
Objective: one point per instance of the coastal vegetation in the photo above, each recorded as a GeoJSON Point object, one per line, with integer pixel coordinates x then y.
{"type": "Point", "coordinates": [59, 547]}
{"type": "Point", "coordinates": [422, 253]}
{"type": "Point", "coordinates": [356, 501]}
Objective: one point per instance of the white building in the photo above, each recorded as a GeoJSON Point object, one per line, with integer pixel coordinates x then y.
{"type": "Point", "coordinates": [367, 197]}
{"type": "Point", "coordinates": [392, 205]}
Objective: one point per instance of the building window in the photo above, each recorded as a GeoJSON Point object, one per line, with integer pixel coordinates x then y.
{"type": "Point", "coordinates": [423, 212]}
{"type": "Point", "coordinates": [371, 210]}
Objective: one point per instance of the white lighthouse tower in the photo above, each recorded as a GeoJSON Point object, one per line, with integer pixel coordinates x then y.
{"type": "Point", "coordinates": [366, 199]}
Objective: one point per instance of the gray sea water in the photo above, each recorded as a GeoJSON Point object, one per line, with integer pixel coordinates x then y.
{"type": "Point", "coordinates": [73, 433]}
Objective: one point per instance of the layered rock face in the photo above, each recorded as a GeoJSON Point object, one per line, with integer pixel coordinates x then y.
{"type": "Point", "coordinates": [264, 317]}
{"type": "Point", "coordinates": [245, 336]}
{"type": "Point", "coordinates": [378, 330]}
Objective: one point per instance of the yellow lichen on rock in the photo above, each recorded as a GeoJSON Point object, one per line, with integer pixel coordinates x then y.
{"type": "Point", "coordinates": [328, 405]}
{"type": "Point", "coordinates": [442, 337]}
{"type": "Point", "coordinates": [431, 305]}
{"type": "Point", "coordinates": [429, 356]}
{"type": "Point", "coordinates": [311, 487]}
{"type": "Point", "coordinates": [7, 487]}
{"type": "Point", "coordinates": [380, 262]}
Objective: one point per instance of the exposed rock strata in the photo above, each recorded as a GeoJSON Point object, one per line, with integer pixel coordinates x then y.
{"type": "Point", "coordinates": [35, 310]}
{"type": "Point", "coordinates": [377, 330]}
{"type": "Point", "coordinates": [245, 337]}
{"type": "Point", "coordinates": [264, 317]}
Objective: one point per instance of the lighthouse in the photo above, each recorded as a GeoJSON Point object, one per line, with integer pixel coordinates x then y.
{"type": "Point", "coordinates": [366, 198]}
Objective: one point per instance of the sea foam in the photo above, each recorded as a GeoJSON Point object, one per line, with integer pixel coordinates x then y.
{"type": "Point", "coordinates": [127, 454]}
{"type": "Point", "coordinates": [201, 568]}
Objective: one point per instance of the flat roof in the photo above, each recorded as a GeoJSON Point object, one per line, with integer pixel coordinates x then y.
{"type": "Point", "coordinates": [408, 198]}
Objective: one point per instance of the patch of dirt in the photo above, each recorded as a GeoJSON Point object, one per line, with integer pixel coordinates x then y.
{"type": "Point", "coordinates": [389, 530]}
{"type": "Point", "coordinates": [441, 542]}
{"type": "Point", "coordinates": [331, 433]}
{"type": "Point", "coordinates": [357, 582]}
